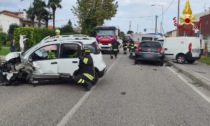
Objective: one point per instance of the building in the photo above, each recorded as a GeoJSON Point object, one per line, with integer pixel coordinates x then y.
{"type": "Point", "coordinates": [20, 18]}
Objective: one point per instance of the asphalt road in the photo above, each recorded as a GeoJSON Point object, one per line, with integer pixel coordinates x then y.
{"type": "Point", "coordinates": [129, 95]}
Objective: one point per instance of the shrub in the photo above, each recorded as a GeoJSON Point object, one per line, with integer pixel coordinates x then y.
{"type": "Point", "coordinates": [3, 38]}
{"type": "Point", "coordinates": [33, 35]}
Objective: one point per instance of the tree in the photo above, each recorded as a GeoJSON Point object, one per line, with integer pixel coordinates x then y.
{"type": "Point", "coordinates": [122, 35]}
{"type": "Point", "coordinates": [39, 9]}
{"type": "Point", "coordinates": [31, 14]}
{"type": "Point", "coordinates": [92, 13]}
{"type": "Point", "coordinates": [129, 32]}
{"type": "Point", "coordinates": [11, 30]}
{"type": "Point", "coordinates": [46, 16]}
{"type": "Point", "coordinates": [54, 4]}
{"type": "Point", "coordinates": [67, 28]}
{"type": "Point", "coordinates": [1, 29]}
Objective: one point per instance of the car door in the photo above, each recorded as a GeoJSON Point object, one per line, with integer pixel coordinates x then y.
{"type": "Point", "coordinates": [69, 58]}
{"type": "Point", "coordinates": [45, 60]}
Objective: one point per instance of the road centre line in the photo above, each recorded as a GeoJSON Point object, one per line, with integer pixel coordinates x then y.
{"type": "Point", "coordinates": [70, 114]}
{"type": "Point", "coordinates": [190, 85]}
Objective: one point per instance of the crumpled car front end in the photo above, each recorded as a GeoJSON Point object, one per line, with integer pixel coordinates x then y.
{"type": "Point", "coordinates": [14, 69]}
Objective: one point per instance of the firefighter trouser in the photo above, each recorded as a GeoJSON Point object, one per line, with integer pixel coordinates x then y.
{"type": "Point", "coordinates": [114, 52]}
{"type": "Point", "coordinates": [125, 49]}
{"type": "Point", "coordinates": [131, 49]}
{"type": "Point", "coordinates": [83, 78]}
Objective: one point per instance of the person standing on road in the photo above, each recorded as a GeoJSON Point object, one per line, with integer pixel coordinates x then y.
{"type": "Point", "coordinates": [86, 72]}
{"type": "Point", "coordinates": [114, 48]}
{"type": "Point", "coordinates": [125, 45]}
{"type": "Point", "coordinates": [12, 45]}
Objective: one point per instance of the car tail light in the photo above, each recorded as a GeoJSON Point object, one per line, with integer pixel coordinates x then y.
{"type": "Point", "coordinates": [190, 47]}
{"type": "Point", "coordinates": [98, 51]}
{"type": "Point", "coordinates": [139, 49]}
{"type": "Point", "coordinates": [160, 50]}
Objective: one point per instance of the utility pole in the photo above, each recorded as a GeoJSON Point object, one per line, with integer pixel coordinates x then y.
{"type": "Point", "coordinates": [156, 23]}
{"type": "Point", "coordinates": [130, 26]}
{"type": "Point", "coordinates": [177, 31]}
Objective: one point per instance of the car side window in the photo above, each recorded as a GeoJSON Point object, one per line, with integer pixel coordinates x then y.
{"type": "Point", "coordinates": [70, 50]}
{"type": "Point", "coordinates": [45, 53]}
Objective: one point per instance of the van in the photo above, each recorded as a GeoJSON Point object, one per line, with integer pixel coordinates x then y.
{"type": "Point", "coordinates": [182, 49]}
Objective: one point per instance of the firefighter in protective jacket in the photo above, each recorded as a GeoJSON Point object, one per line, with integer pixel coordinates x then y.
{"type": "Point", "coordinates": [86, 72]}
{"type": "Point", "coordinates": [125, 46]}
{"type": "Point", "coordinates": [114, 48]}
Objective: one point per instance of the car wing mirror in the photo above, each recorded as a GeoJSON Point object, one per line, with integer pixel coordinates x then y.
{"type": "Point", "coordinates": [165, 48]}
{"type": "Point", "coordinates": [30, 59]}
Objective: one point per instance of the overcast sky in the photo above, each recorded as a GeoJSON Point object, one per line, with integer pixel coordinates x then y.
{"type": "Point", "coordinates": [139, 12]}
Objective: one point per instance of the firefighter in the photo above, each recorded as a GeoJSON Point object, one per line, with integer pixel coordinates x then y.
{"type": "Point", "coordinates": [131, 45]}
{"type": "Point", "coordinates": [85, 73]}
{"type": "Point", "coordinates": [114, 48]}
{"type": "Point", "coordinates": [131, 48]}
{"type": "Point", "coordinates": [125, 45]}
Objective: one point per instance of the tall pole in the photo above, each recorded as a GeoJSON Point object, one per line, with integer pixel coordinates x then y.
{"type": "Point", "coordinates": [177, 30]}
{"type": "Point", "coordinates": [162, 20]}
{"type": "Point", "coordinates": [156, 23]}
{"type": "Point", "coordinates": [161, 24]}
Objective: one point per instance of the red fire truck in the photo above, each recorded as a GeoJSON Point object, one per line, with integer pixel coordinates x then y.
{"type": "Point", "coordinates": [105, 35]}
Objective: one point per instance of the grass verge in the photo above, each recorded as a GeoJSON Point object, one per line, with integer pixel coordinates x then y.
{"type": "Point", "coordinates": [205, 59]}
{"type": "Point", "coordinates": [4, 51]}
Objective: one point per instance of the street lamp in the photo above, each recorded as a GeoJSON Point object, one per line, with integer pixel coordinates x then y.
{"type": "Point", "coordinates": [161, 25]}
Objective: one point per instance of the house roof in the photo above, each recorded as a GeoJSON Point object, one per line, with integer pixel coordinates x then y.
{"type": "Point", "coordinates": [12, 14]}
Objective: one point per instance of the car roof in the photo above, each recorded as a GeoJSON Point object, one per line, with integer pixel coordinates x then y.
{"type": "Point", "coordinates": [150, 41]}
{"type": "Point", "coordinates": [69, 38]}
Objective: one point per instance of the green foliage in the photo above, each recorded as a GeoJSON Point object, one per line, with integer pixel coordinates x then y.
{"type": "Point", "coordinates": [66, 28]}
{"type": "Point", "coordinates": [205, 59]}
{"type": "Point", "coordinates": [1, 29]}
{"type": "Point", "coordinates": [3, 39]}
{"type": "Point", "coordinates": [122, 35]}
{"type": "Point", "coordinates": [4, 51]}
{"type": "Point", "coordinates": [11, 30]}
{"type": "Point", "coordinates": [129, 32]}
{"type": "Point", "coordinates": [39, 9]}
{"type": "Point", "coordinates": [33, 35]}
{"type": "Point", "coordinates": [92, 13]}
{"type": "Point", "coordinates": [54, 4]}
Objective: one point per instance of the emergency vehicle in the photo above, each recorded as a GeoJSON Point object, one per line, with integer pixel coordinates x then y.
{"type": "Point", "coordinates": [105, 35]}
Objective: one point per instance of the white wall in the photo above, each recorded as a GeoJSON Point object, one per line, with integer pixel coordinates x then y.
{"type": "Point", "coordinates": [6, 21]}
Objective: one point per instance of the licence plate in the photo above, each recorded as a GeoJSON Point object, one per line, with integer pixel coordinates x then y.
{"type": "Point", "coordinates": [196, 50]}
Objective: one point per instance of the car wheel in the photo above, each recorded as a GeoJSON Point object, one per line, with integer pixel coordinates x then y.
{"type": "Point", "coordinates": [181, 59]}
{"type": "Point", "coordinates": [190, 61]}
{"type": "Point", "coordinates": [161, 63]}
{"type": "Point", "coordinates": [95, 80]}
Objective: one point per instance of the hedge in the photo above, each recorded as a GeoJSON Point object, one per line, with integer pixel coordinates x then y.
{"type": "Point", "coordinates": [3, 39]}
{"type": "Point", "coordinates": [33, 35]}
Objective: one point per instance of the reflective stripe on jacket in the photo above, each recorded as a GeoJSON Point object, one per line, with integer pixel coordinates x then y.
{"type": "Point", "coordinates": [90, 77]}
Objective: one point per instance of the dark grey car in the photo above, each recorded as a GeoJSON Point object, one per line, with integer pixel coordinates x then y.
{"type": "Point", "coordinates": [150, 51]}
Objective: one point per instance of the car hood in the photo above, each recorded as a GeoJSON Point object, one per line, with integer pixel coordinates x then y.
{"type": "Point", "coordinates": [12, 55]}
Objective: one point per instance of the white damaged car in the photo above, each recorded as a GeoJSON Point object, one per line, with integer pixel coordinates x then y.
{"type": "Point", "coordinates": [36, 64]}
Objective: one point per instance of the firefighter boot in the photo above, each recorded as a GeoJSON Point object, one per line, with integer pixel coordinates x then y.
{"type": "Point", "coordinates": [87, 86]}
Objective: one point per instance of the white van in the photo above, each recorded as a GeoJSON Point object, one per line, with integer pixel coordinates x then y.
{"type": "Point", "coordinates": [182, 49]}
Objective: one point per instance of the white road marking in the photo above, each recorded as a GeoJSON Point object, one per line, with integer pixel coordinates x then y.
{"type": "Point", "coordinates": [196, 74]}
{"type": "Point", "coordinates": [70, 114]}
{"type": "Point", "coordinates": [190, 85]}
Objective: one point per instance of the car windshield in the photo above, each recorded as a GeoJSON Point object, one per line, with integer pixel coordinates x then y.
{"type": "Point", "coordinates": [26, 52]}
{"type": "Point", "coordinates": [92, 47]}
{"type": "Point", "coordinates": [150, 44]}
{"type": "Point", "coordinates": [105, 32]}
